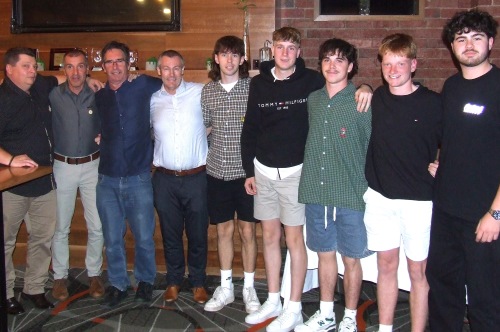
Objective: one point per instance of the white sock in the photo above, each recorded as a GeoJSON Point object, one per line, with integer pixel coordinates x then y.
{"type": "Point", "coordinates": [384, 328]}
{"type": "Point", "coordinates": [295, 307]}
{"type": "Point", "coordinates": [226, 278]}
{"type": "Point", "coordinates": [249, 278]}
{"type": "Point", "coordinates": [350, 313]}
{"type": "Point", "coordinates": [273, 297]}
{"type": "Point", "coordinates": [326, 309]}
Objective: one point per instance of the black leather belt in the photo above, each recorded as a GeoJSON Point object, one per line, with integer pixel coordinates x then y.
{"type": "Point", "coordinates": [182, 173]}
{"type": "Point", "coordinates": [77, 161]}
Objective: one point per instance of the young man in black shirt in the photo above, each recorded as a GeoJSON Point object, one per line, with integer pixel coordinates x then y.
{"type": "Point", "coordinates": [464, 253]}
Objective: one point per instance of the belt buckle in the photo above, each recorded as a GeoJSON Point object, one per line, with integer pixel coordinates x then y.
{"type": "Point", "coordinates": [177, 173]}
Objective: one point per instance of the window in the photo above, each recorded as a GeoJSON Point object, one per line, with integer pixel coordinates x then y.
{"type": "Point", "coordinates": [330, 10]}
{"type": "Point", "coordinates": [94, 15]}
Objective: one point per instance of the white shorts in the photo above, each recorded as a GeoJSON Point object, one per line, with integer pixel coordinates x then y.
{"type": "Point", "coordinates": [388, 221]}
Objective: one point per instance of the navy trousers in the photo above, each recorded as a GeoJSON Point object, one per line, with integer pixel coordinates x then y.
{"type": "Point", "coordinates": [181, 204]}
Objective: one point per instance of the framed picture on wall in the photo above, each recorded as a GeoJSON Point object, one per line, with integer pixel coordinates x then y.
{"type": "Point", "coordinates": [57, 57]}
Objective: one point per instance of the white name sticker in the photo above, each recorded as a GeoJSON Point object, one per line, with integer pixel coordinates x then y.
{"type": "Point", "coordinates": [473, 109]}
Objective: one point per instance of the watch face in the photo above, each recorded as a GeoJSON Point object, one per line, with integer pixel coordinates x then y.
{"type": "Point", "coordinates": [495, 214]}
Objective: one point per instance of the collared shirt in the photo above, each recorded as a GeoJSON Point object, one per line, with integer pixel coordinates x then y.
{"type": "Point", "coordinates": [276, 78]}
{"type": "Point", "coordinates": [75, 121]}
{"type": "Point", "coordinates": [26, 128]}
{"type": "Point", "coordinates": [126, 145]}
{"type": "Point", "coordinates": [177, 121]}
{"type": "Point", "coordinates": [334, 161]}
{"type": "Point", "coordinates": [224, 112]}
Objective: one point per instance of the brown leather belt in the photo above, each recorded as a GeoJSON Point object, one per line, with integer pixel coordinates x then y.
{"type": "Point", "coordinates": [77, 161]}
{"type": "Point", "coordinates": [182, 173]}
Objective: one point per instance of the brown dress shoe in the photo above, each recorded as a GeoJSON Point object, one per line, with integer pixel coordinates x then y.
{"type": "Point", "coordinates": [59, 290]}
{"type": "Point", "coordinates": [172, 293]}
{"type": "Point", "coordinates": [200, 295]}
{"type": "Point", "coordinates": [96, 287]}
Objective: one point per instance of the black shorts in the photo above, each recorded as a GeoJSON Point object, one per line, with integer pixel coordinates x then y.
{"type": "Point", "coordinates": [227, 197]}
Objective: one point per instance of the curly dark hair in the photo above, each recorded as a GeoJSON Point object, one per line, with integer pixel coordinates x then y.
{"type": "Point", "coordinates": [471, 20]}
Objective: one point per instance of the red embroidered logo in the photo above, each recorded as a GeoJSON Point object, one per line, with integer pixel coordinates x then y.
{"type": "Point", "coordinates": [343, 132]}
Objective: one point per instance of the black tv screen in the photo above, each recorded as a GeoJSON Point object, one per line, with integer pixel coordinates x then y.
{"type": "Point", "coordinates": [95, 15]}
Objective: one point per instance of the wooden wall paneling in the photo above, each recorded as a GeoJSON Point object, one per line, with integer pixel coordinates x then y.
{"type": "Point", "coordinates": [203, 22]}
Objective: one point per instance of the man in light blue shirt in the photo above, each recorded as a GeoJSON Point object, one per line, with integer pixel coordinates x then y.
{"type": "Point", "coordinates": [180, 182]}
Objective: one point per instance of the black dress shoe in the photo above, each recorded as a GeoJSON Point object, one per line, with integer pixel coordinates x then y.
{"type": "Point", "coordinates": [144, 292]}
{"type": "Point", "coordinates": [38, 300]}
{"type": "Point", "coordinates": [14, 307]}
{"type": "Point", "coordinates": [113, 297]}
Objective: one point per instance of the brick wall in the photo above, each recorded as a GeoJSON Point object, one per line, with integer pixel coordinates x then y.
{"type": "Point", "coordinates": [434, 60]}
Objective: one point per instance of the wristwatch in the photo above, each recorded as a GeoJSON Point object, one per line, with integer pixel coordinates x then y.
{"type": "Point", "coordinates": [495, 214]}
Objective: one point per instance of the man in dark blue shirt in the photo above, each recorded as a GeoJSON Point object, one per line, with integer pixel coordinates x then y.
{"type": "Point", "coordinates": [124, 189]}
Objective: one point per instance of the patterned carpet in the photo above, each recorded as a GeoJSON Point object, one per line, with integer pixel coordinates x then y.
{"type": "Point", "coordinates": [80, 312]}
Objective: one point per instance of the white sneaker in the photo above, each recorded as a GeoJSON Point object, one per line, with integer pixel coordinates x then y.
{"type": "Point", "coordinates": [348, 325]}
{"type": "Point", "coordinates": [251, 300]}
{"type": "Point", "coordinates": [222, 296]}
{"type": "Point", "coordinates": [317, 323]}
{"type": "Point", "coordinates": [266, 311]}
{"type": "Point", "coordinates": [286, 321]}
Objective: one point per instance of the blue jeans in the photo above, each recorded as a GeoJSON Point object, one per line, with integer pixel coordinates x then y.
{"type": "Point", "coordinates": [181, 203]}
{"type": "Point", "coordinates": [127, 198]}
{"type": "Point", "coordinates": [345, 232]}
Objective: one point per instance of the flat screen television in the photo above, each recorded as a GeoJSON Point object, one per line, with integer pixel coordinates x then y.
{"type": "Point", "coordinates": [95, 15]}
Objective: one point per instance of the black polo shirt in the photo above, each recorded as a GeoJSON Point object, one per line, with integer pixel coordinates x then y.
{"type": "Point", "coordinates": [26, 128]}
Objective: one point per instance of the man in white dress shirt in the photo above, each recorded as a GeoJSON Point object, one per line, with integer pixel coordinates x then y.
{"type": "Point", "coordinates": [180, 181]}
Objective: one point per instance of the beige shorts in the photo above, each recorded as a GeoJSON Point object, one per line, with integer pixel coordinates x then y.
{"type": "Point", "coordinates": [390, 221]}
{"type": "Point", "coordinates": [279, 199]}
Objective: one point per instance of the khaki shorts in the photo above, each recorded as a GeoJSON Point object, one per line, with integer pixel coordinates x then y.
{"type": "Point", "coordinates": [279, 199]}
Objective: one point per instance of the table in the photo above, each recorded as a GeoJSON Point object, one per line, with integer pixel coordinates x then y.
{"type": "Point", "coordinates": [11, 177]}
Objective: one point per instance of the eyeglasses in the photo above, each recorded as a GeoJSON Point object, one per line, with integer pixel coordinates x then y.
{"type": "Point", "coordinates": [112, 62]}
